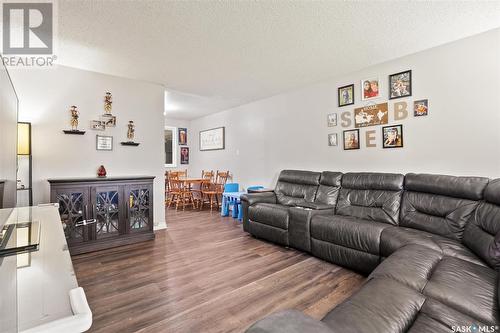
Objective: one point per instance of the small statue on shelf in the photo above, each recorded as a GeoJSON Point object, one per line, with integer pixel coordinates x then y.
{"type": "Point", "coordinates": [75, 114]}
{"type": "Point", "coordinates": [108, 103]}
{"type": "Point", "coordinates": [130, 135]}
{"type": "Point", "coordinates": [131, 131]}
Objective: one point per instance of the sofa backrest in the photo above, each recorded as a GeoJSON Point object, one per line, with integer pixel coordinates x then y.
{"type": "Point", "coordinates": [371, 196]}
{"type": "Point", "coordinates": [329, 187]}
{"type": "Point", "coordinates": [296, 186]}
{"type": "Point", "coordinates": [440, 204]}
{"type": "Point", "coordinates": [482, 233]}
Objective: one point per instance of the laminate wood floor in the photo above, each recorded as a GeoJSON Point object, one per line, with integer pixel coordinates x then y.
{"type": "Point", "coordinates": [204, 274]}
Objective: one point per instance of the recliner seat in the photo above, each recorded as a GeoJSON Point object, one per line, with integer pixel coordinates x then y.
{"type": "Point", "coordinates": [431, 244]}
{"type": "Point", "coordinates": [367, 204]}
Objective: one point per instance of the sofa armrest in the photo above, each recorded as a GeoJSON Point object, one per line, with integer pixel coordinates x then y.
{"type": "Point", "coordinates": [316, 206]}
{"type": "Point", "coordinates": [288, 321]}
{"type": "Point", "coordinates": [264, 197]}
{"type": "Point", "coordinates": [253, 198]}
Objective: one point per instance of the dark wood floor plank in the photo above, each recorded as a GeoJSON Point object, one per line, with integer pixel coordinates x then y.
{"type": "Point", "coordinates": [204, 274]}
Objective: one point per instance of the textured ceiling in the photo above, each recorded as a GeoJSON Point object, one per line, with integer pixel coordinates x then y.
{"type": "Point", "coordinates": [214, 55]}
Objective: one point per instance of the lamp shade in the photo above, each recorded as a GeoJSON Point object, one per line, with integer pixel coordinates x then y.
{"type": "Point", "coordinates": [23, 138]}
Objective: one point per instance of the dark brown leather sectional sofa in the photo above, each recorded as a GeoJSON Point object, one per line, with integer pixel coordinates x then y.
{"type": "Point", "coordinates": [430, 245]}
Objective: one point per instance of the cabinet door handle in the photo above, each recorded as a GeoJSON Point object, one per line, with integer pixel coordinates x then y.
{"type": "Point", "coordinates": [85, 222]}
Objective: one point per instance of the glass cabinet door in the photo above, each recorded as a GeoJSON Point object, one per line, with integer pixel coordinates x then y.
{"type": "Point", "coordinates": [73, 208]}
{"type": "Point", "coordinates": [106, 208]}
{"type": "Point", "coordinates": [139, 208]}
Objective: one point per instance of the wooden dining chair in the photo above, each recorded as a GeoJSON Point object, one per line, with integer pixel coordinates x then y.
{"type": "Point", "coordinates": [207, 177]}
{"type": "Point", "coordinates": [180, 194]}
{"type": "Point", "coordinates": [167, 186]}
{"type": "Point", "coordinates": [221, 180]}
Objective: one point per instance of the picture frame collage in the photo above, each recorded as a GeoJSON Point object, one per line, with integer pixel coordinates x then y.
{"type": "Point", "coordinates": [374, 114]}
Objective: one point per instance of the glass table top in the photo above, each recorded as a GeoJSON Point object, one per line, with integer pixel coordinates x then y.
{"type": "Point", "coordinates": [19, 232]}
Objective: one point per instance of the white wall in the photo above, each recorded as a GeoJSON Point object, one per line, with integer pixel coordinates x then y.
{"type": "Point", "coordinates": [182, 123]}
{"type": "Point", "coordinates": [45, 97]}
{"type": "Point", "coordinates": [461, 135]}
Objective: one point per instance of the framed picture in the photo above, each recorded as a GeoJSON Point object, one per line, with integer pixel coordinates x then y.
{"type": "Point", "coordinates": [184, 155]}
{"type": "Point", "coordinates": [212, 139]}
{"type": "Point", "coordinates": [392, 136]}
{"type": "Point", "coordinates": [98, 125]}
{"type": "Point", "coordinates": [421, 108]}
{"type": "Point", "coordinates": [331, 120]}
{"type": "Point", "coordinates": [183, 136]}
{"type": "Point", "coordinates": [351, 139]}
{"type": "Point", "coordinates": [104, 142]}
{"type": "Point", "coordinates": [400, 85]}
{"type": "Point", "coordinates": [346, 95]}
{"type": "Point", "coordinates": [109, 120]}
{"type": "Point", "coordinates": [370, 89]}
{"type": "Point", "coordinates": [332, 139]}
{"type": "Point", "coordinates": [371, 115]}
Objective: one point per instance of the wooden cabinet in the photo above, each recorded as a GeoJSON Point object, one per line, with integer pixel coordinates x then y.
{"type": "Point", "coordinates": [102, 213]}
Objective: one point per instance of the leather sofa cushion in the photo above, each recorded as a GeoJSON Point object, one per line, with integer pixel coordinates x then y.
{"type": "Point", "coordinates": [358, 260]}
{"type": "Point", "coordinates": [269, 233]}
{"type": "Point", "coordinates": [271, 214]}
{"type": "Point", "coordinates": [437, 214]}
{"type": "Point", "coordinates": [329, 186]}
{"type": "Point", "coordinates": [482, 233]}
{"type": "Point", "coordinates": [381, 306]}
{"type": "Point", "coordinates": [288, 321]}
{"type": "Point", "coordinates": [435, 317]}
{"type": "Point", "coordinates": [471, 188]}
{"type": "Point", "coordinates": [371, 196]}
{"type": "Point", "coordinates": [348, 231]}
{"type": "Point", "coordinates": [466, 287]}
{"type": "Point", "coordinates": [411, 265]}
{"type": "Point", "coordinates": [296, 186]}
{"type": "Point", "coordinates": [300, 177]}
{"type": "Point", "coordinates": [394, 238]}
{"type": "Point", "coordinates": [373, 181]}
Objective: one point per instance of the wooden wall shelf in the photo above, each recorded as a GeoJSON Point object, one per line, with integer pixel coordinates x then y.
{"type": "Point", "coordinates": [74, 132]}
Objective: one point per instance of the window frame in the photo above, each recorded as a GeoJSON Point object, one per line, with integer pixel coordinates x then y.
{"type": "Point", "coordinates": [174, 147]}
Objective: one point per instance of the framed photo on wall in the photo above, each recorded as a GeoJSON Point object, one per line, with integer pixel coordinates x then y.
{"type": "Point", "coordinates": [104, 142]}
{"type": "Point", "coordinates": [371, 115]}
{"type": "Point", "coordinates": [183, 136]}
{"type": "Point", "coordinates": [332, 139]}
{"type": "Point", "coordinates": [346, 95]}
{"type": "Point", "coordinates": [212, 139]}
{"type": "Point", "coordinates": [351, 139]}
{"type": "Point", "coordinates": [331, 120]}
{"type": "Point", "coordinates": [370, 89]}
{"type": "Point", "coordinates": [421, 108]}
{"type": "Point", "coordinates": [98, 125]}
{"type": "Point", "coordinates": [184, 155]}
{"type": "Point", "coordinates": [109, 120]}
{"type": "Point", "coordinates": [400, 85]}
{"type": "Point", "coordinates": [392, 136]}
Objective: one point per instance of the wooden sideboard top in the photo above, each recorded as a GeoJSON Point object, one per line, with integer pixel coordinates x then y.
{"type": "Point", "coordinates": [97, 179]}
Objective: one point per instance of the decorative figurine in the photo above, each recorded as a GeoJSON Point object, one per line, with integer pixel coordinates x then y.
{"type": "Point", "coordinates": [131, 131]}
{"type": "Point", "coordinates": [130, 135]}
{"type": "Point", "coordinates": [101, 172]}
{"type": "Point", "coordinates": [75, 114]}
{"type": "Point", "coordinates": [108, 103]}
